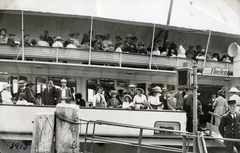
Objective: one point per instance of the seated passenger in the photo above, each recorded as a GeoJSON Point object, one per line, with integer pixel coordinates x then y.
{"type": "Point", "coordinates": [6, 94]}
{"type": "Point", "coordinates": [47, 38]}
{"type": "Point", "coordinates": [86, 38]}
{"type": "Point", "coordinates": [118, 41]}
{"type": "Point", "coordinates": [156, 52]}
{"type": "Point", "coordinates": [130, 48]}
{"type": "Point", "coordinates": [181, 52]}
{"type": "Point", "coordinates": [26, 40]}
{"type": "Point", "coordinates": [79, 100]}
{"type": "Point", "coordinates": [127, 42]}
{"type": "Point", "coordinates": [153, 98]}
{"type": "Point", "coordinates": [225, 58]}
{"type": "Point", "coordinates": [141, 49]}
{"type": "Point", "coordinates": [166, 46]}
{"type": "Point", "coordinates": [140, 100]}
{"type": "Point", "coordinates": [74, 36]}
{"type": "Point", "coordinates": [98, 98]}
{"type": "Point", "coordinates": [86, 46]}
{"type": "Point", "coordinates": [42, 42]}
{"type": "Point", "coordinates": [71, 44]}
{"type": "Point", "coordinates": [172, 101]}
{"type": "Point", "coordinates": [97, 43]}
{"type": "Point", "coordinates": [119, 47]}
{"type": "Point", "coordinates": [128, 104]}
{"type": "Point", "coordinates": [58, 42]}
{"type": "Point", "coordinates": [110, 47]}
{"type": "Point", "coordinates": [173, 50]}
{"type": "Point", "coordinates": [11, 40]}
{"type": "Point", "coordinates": [159, 43]}
{"type": "Point", "coordinates": [191, 53]}
{"type": "Point", "coordinates": [106, 42]}
{"type": "Point", "coordinates": [3, 36]}
{"type": "Point", "coordinates": [164, 53]}
{"type": "Point", "coordinates": [34, 42]}
{"type": "Point", "coordinates": [215, 57]}
{"type": "Point", "coordinates": [135, 44]}
{"type": "Point", "coordinates": [201, 55]}
{"type": "Point", "coordinates": [114, 102]}
{"type": "Point", "coordinates": [22, 100]}
{"type": "Point", "coordinates": [172, 53]}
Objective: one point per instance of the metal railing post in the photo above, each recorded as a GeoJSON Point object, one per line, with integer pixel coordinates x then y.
{"type": "Point", "coordinates": [120, 59]}
{"type": "Point", "coordinates": [140, 141]}
{"type": "Point", "coordinates": [57, 56]}
{"type": "Point", "coordinates": [184, 148]}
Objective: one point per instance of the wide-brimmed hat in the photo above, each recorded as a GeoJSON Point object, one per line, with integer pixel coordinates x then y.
{"type": "Point", "coordinates": [58, 38]}
{"type": "Point", "coordinates": [129, 96]}
{"type": "Point", "coordinates": [29, 83]}
{"type": "Point", "coordinates": [113, 92]}
{"type": "Point", "coordinates": [140, 89]}
{"type": "Point", "coordinates": [73, 33]}
{"type": "Point", "coordinates": [129, 35]}
{"type": "Point", "coordinates": [98, 34]}
{"type": "Point", "coordinates": [220, 92]}
{"type": "Point", "coordinates": [157, 89]}
{"type": "Point", "coordinates": [234, 90]}
{"type": "Point", "coordinates": [6, 86]}
{"type": "Point", "coordinates": [99, 87]}
{"type": "Point", "coordinates": [118, 37]}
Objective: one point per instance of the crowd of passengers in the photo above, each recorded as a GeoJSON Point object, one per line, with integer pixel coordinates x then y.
{"type": "Point", "coordinates": [104, 43]}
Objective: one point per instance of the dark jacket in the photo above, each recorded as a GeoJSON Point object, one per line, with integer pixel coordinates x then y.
{"type": "Point", "coordinates": [49, 96]}
{"type": "Point", "coordinates": [164, 101]}
{"type": "Point", "coordinates": [188, 106]}
{"type": "Point", "coordinates": [29, 97]}
{"type": "Point", "coordinates": [230, 128]}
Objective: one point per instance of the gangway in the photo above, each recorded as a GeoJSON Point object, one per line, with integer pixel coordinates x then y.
{"type": "Point", "coordinates": [93, 138]}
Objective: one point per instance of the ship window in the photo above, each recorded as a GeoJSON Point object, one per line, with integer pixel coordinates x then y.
{"type": "Point", "coordinates": [42, 80]}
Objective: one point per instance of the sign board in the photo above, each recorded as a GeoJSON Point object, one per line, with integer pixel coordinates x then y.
{"type": "Point", "coordinates": [215, 71]}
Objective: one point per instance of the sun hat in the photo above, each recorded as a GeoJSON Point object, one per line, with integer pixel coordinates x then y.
{"type": "Point", "coordinates": [157, 89]}
{"type": "Point", "coordinates": [234, 90]}
{"type": "Point", "coordinates": [6, 86]}
{"type": "Point", "coordinates": [129, 96]}
{"type": "Point", "coordinates": [140, 89]}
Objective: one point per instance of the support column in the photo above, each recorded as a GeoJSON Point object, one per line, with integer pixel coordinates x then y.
{"type": "Point", "coordinates": [67, 128]}
{"type": "Point", "coordinates": [43, 133]}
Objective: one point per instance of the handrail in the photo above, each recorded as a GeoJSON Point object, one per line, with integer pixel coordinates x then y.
{"type": "Point", "coordinates": [214, 114]}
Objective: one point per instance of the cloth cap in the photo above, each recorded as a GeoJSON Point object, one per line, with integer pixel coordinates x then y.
{"type": "Point", "coordinates": [231, 102]}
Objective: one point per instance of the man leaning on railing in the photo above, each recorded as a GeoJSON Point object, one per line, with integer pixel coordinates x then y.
{"type": "Point", "coordinates": [229, 127]}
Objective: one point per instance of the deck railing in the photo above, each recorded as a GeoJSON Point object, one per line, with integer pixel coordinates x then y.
{"type": "Point", "coordinates": [102, 57]}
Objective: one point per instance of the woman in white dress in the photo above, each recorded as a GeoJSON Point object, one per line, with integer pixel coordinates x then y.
{"type": "Point", "coordinates": [220, 106]}
{"type": "Point", "coordinates": [140, 100]}
{"type": "Point", "coordinates": [6, 95]}
{"type": "Point", "coordinates": [128, 104]}
{"type": "Point", "coordinates": [99, 99]}
{"type": "Point", "coordinates": [154, 99]}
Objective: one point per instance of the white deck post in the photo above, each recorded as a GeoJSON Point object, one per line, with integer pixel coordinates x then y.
{"type": "Point", "coordinates": [90, 48]}
{"type": "Point", "coordinates": [67, 128]}
{"type": "Point", "coordinates": [43, 133]}
{"type": "Point", "coordinates": [209, 36]}
{"type": "Point", "coordinates": [150, 60]}
{"type": "Point", "coordinates": [23, 56]}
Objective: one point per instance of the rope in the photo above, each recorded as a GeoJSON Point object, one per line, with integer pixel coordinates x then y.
{"type": "Point", "coordinates": [67, 120]}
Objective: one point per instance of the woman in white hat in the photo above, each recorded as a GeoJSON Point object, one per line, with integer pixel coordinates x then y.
{"type": "Point", "coordinates": [6, 95]}
{"type": "Point", "coordinates": [235, 96]}
{"type": "Point", "coordinates": [153, 98]}
{"type": "Point", "coordinates": [140, 99]}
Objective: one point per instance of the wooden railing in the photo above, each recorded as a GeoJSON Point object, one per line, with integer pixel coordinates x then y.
{"type": "Point", "coordinates": [102, 57]}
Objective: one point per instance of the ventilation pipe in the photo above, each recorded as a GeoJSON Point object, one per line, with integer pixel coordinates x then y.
{"type": "Point", "coordinates": [234, 51]}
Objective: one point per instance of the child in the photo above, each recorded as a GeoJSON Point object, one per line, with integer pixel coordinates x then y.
{"type": "Point", "coordinates": [128, 104]}
{"type": "Point", "coordinates": [22, 101]}
{"type": "Point", "coordinates": [114, 102]}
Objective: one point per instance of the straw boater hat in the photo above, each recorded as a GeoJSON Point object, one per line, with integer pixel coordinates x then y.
{"type": "Point", "coordinates": [140, 89]}
{"type": "Point", "coordinates": [234, 90]}
{"type": "Point", "coordinates": [127, 95]}
{"type": "Point", "coordinates": [63, 81]}
{"type": "Point", "coordinates": [6, 86]}
{"type": "Point", "coordinates": [157, 89]}
{"type": "Point", "coordinates": [21, 82]}
{"type": "Point", "coordinates": [132, 86]}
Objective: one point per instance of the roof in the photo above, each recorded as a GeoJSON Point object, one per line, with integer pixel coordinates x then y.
{"type": "Point", "coordinates": [219, 16]}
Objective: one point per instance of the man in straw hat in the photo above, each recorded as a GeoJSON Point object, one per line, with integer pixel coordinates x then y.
{"type": "Point", "coordinates": [234, 91]}
{"type": "Point", "coordinates": [6, 95]}
{"type": "Point", "coordinates": [229, 127]}
{"type": "Point", "coordinates": [21, 87]}
{"type": "Point", "coordinates": [66, 94]}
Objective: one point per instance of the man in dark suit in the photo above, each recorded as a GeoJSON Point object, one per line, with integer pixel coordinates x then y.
{"type": "Point", "coordinates": [50, 94]}
{"type": "Point", "coordinates": [66, 94]}
{"type": "Point", "coordinates": [229, 127]}
{"type": "Point", "coordinates": [163, 98]}
{"type": "Point", "coordinates": [29, 96]}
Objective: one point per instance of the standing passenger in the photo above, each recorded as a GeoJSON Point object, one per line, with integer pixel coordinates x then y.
{"type": "Point", "coordinates": [179, 97]}
{"type": "Point", "coordinates": [42, 42]}
{"type": "Point", "coordinates": [106, 42]}
{"type": "Point", "coordinates": [141, 49]}
{"type": "Point", "coordinates": [153, 98]}
{"type": "Point", "coordinates": [172, 101]}
{"type": "Point", "coordinates": [97, 43]}
{"type": "Point", "coordinates": [26, 40]}
{"type": "Point", "coordinates": [11, 40]}
{"type": "Point", "coordinates": [50, 94]}
{"type": "Point", "coordinates": [236, 97]}
{"type": "Point", "coordinates": [29, 96]}
{"type": "Point", "coordinates": [219, 106]}
{"type": "Point", "coordinates": [118, 42]}
{"type": "Point", "coordinates": [74, 36]}
{"type": "Point", "coordinates": [66, 94]}
{"type": "Point", "coordinates": [6, 95]}
{"type": "Point", "coordinates": [58, 42]}
{"type": "Point", "coordinates": [47, 38]}
{"type": "Point", "coordinates": [163, 98]}
{"type": "Point", "coordinates": [98, 98]}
